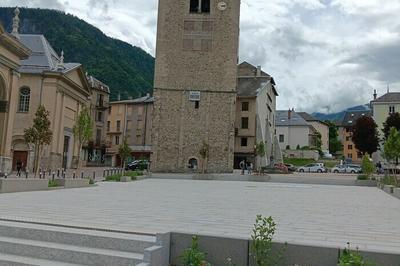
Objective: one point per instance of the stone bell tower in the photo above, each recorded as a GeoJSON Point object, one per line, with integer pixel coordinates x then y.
{"type": "Point", "coordinates": [195, 84]}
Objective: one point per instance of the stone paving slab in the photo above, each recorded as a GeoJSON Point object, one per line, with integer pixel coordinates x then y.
{"type": "Point", "coordinates": [306, 214]}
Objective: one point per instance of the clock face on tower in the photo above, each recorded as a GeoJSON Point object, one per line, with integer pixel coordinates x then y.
{"type": "Point", "coordinates": [222, 6]}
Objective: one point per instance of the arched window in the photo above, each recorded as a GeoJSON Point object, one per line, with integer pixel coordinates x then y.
{"type": "Point", "coordinates": [24, 98]}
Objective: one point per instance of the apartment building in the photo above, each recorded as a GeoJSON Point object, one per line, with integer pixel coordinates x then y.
{"type": "Point", "coordinates": [255, 116]}
{"type": "Point", "coordinates": [130, 119]}
{"type": "Point", "coordinates": [346, 133]}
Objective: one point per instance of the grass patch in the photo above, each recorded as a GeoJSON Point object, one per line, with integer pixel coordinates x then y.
{"type": "Point", "coordinates": [362, 177]}
{"type": "Point", "coordinates": [52, 183]}
{"type": "Point", "coordinates": [298, 161]}
{"type": "Point", "coordinates": [117, 177]}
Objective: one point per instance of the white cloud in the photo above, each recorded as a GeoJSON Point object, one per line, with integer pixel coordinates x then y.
{"type": "Point", "coordinates": [325, 55]}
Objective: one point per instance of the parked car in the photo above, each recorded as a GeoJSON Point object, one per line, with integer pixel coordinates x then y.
{"type": "Point", "coordinates": [326, 155]}
{"type": "Point", "coordinates": [312, 168]}
{"type": "Point", "coordinates": [291, 167]}
{"type": "Point", "coordinates": [347, 168]}
{"type": "Point", "coordinates": [137, 165]}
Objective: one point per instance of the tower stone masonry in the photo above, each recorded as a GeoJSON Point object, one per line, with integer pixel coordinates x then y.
{"type": "Point", "coordinates": [195, 84]}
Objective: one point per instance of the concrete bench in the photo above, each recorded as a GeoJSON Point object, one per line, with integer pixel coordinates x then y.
{"type": "Point", "coordinates": [72, 182]}
{"type": "Point", "coordinates": [22, 184]}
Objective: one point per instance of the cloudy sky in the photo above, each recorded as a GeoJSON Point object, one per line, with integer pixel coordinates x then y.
{"type": "Point", "coordinates": [325, 55]}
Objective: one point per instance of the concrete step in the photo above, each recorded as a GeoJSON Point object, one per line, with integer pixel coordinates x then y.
{"type": "Point", "coordinates": [67, 253]}
{"type": "Point", "coordinates": [77, 237]}
{"type": "Point", "coordinates": [15, 260]}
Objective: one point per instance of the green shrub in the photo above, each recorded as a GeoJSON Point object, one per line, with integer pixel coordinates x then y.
{"type": "Point", "coordinates": [261, 244]}
{"type": "Point", "coordinates": [367, 166]}
{"type": "Point", "coordinates": [91, 181]}
{"type": "Point", "coordinates": [193, 256]}
{"type": "Point", "coordinates": [52, 183]}
{"type": "Point", "coordinates": [352, 258]}
{"type": "Point", "coordinates": [362, 177]}
{"type": "Point", "coordinates": [115, 178]}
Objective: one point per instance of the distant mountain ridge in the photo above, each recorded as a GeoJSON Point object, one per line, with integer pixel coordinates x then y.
{"type": "Point", "coordinates": [128, 70]}
{"type": "Point", "coordinates": [340, 115]}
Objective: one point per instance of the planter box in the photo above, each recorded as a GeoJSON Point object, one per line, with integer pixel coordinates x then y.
{"type": "Point", "coordinates": [126, 179]}
{"type": "Point", "coordinates": [396, 192]}
{"type": "Point", "coordinates": [72, 182]}
{"type": "Point", "coordinates": [366, 183]}
{"type": "Point", "coordinates": [22, 184]}
{"type": "Point", "coordinates": [388, 189]}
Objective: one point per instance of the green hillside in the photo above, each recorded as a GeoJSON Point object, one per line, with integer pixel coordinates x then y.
{"type": "Point", "coordinates": [126, 69]}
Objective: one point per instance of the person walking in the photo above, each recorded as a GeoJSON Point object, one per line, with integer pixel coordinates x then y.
{"type": "Point", "coordinates": [19, 167]}
{"type": "Point", "coordinates": [242, 166]}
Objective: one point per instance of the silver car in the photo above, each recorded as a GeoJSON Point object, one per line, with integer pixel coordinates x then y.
{"type": "Point", "coordinates": [346, 168]}
{"type": "Point", "coordinates": [312, 168]}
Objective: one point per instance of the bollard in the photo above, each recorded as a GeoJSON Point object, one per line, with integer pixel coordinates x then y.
{"type": "Point", "coordinates": [94, 175]}
{"type": "Point", "coordinates": [49, 172]}
{"type": "Point", "coordinates": [40, 175]}
{"type": "Point", "coordinates": [82, 174]}
{"type": "Point", "coordinates": [58, 172]}
{"type": "Point", "coordinates": [73, 175]}
{"type": "Point", "coordinates": [26, 174]}
{"type": "Point", "coordinates": [54, 173]}
{"type": "Point", "coordinates": [44, 174]}
{"type": "Point", "coordinates": [5, 175]}
{"type": "Point", "coordinates": [64, 174]}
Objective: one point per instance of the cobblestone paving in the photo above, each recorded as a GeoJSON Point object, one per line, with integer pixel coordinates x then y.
{"type": "Point", "coordinates": [306, 214]}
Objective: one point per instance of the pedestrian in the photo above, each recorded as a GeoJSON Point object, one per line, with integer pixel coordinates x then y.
{"type": "Point", "coordinates": [242, 166]}
{"type": "Point", "coordinates": [379, 167]}
{"type": "Point", "coordinates": [19, 167]}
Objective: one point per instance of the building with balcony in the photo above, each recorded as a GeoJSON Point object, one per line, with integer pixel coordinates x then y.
{"type": "Point", "coordinates": [95, 151]}
{"type": "Point", "coordinates": [130, 119]}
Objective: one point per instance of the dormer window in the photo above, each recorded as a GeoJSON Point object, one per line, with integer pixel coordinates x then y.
{"type": "Point", "coordinates": [200, 6]}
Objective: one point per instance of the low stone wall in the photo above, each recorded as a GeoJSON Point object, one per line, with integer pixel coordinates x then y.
{"type": "Point", "coordinates": [305, 154]}
{"type": "Point", "coordinates": [21, 184]}
{"type": "Point", "coordinates": [220, 249]}
{"type": "Point", "coordinates": [72, 182]}
{"type": "Point", "coordinates": [5, 165]}
{"type": "Point", "coordinates": [396, 193]}
{"type": "Point", "coordinates": [388, 189]}
{"type": "Point", "coordinates": [366, 183]}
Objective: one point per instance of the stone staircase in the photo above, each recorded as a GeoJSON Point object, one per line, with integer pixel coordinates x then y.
{"type": "Point", "coordinates": [35, 244]}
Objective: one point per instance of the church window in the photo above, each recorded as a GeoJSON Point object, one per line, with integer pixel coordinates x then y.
{"type": "Point", "coordinates": [24, 99]}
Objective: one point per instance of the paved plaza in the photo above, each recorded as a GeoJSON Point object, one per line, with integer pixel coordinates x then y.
{"type": "Point", "coordinates": [323, 215]}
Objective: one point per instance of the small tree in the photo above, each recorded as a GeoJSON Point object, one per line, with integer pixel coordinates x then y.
{"type": "Point", "coordinates": [334, 143]}
{"type": "Point", "coordinates": [83, 130]}
{"type": "Point", "coordinates": [365, 135]}
{"type": "Point", "coordinates": [204, 153]}
{"type": "Point", "coordinates": [391, 149]}
{"type": "Point", "coordinates": [393, 120]}
{"type": "Point", "coordinates": [193, 256]}
{"type": "Point", "coordinates": [124, 152]}
{"type": "Point", "coordinates": [39, 134]}
{"type": "Point", "coordinates": [367, 166]}
{"type": "Point", "coordinates": [261, 244]}
{"type": "Point", "coordinates": [260, 150]}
